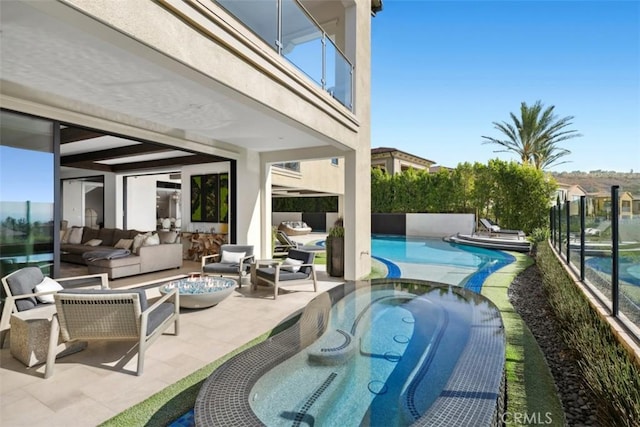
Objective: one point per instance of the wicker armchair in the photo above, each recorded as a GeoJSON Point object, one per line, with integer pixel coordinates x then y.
{"type": "Point", "coordinates": [111, 315]}
{"type": "Point", "coordinates": [18, 291]}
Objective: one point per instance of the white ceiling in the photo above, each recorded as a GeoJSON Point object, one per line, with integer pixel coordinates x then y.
{"type": "Point", "coordinates": [55, 60]}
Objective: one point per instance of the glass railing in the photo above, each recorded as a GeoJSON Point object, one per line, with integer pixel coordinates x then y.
{"type": "Point", "coordinates": [601, 243]}
{"type": "Point", "coordinates": [291, 31]}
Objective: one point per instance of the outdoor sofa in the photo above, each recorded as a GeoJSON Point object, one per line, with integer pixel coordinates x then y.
{"type": "Point", "coordinates": [121, 253]}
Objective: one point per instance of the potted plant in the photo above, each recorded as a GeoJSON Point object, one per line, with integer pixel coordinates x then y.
{"type": "Point", "coordinates": [335, 249]}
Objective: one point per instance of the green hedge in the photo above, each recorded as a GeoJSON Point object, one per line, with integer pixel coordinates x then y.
{"type": "Point", "coordinates": [606, 365]}
{"type": "Point", "coordinates": [516, 196]}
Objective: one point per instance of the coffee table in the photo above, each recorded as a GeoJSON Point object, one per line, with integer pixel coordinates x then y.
{"type": "Point", "coordinates": [201, 291]}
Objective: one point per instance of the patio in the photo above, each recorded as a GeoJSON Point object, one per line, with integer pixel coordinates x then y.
{"type": "Point", "coordinates": [93, 385]}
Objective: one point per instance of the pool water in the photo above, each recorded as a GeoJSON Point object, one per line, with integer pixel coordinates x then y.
{"type": "Point", "coordinates": [628, 268]}
{"type": "Point", "coordinates": [393, 353]}
{"type": "Point", "coordinates": [436, 260]}
{"type": "Point", "coordinates": [427, 259]}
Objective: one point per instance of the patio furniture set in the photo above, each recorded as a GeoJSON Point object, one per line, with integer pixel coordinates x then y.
{"type": "Point", "coordinates": [45, 318]}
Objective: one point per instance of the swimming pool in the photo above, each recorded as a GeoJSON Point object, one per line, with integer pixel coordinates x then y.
{"type": "Point", "coordinates": [628, 267]}
{"type": "Point", "coordinates": [436, 260]}
{"type": "Point", "coordinates": [387, 353]}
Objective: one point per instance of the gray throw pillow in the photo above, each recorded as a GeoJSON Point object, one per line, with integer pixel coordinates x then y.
{"type": "Point", "coordinates": [23, 282]}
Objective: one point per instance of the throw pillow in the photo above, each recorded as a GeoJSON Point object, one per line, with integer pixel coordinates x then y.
{"type": "Point", "coordinates": [137, 242]}
{"type": "Point", "coordinates": [291, 264]}
{"type": "Point", "coordinates": [124, 243]}
{"type": "Point", "coordinates": [93, 242]}
{"type": "Point", "coordinates": [75, 236]}
{"type": "Point", "coordinates": [47, 285]}
{"type": "Point", "coordinates": [64, 235]}
{"type": "Point", "coordinates": [231, 257]}
{"type": "Point", "coordinates": [152, 240]}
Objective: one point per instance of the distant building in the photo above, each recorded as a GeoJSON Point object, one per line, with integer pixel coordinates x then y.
{"type": "Point", "coordinates": [395, 161]}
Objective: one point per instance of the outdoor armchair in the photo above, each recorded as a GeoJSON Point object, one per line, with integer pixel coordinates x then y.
{"type": "Point", "coordinates": [122, 315]}
{"type": "Point", "coordinates": [20, 293]}
{"type": "Point", "coordinates": [297, 268]}
{"type": "Point", "coordinates": [232, 261]}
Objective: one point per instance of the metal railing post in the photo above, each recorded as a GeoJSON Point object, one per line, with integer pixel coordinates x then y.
{"type": "Point", "coordinates": [614, 249]}
{"type": "Point", "coordinates": [552, 225]}
{"type": "Point", "coordinates": [583, 211]}
{"type": "Point", "coordinates": [559, 226]}
{"type": "Point", "coordinates": [567, 205]}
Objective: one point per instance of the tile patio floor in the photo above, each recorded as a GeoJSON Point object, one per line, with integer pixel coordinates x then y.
{"type": "Point", "coordinates": [95, 384]}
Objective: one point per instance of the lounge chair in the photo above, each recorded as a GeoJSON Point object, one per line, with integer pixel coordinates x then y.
{"type": "Point", "coordinates": [284, 243]}
{"type": "Point", "coordinates": [294, 228]}
{"type": "Point", "coordinates": [122, 315]}
{"type": "Point", "coordinates": [297, 268]}
{"type": "Point", "coordinates": [232, 261]}
{"type": "Point", "coordinates": [495, 230]}
{"type": "Point", "coordinates": [27, 289]}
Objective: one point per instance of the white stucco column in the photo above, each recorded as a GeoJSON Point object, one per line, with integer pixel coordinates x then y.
{"type": "Point", "coordinates": [265, 211]}
{"type": "Point", "coordinates": [357, 215]}
{"type": "Point", "coordinates": [357, 194]}
{"type": "Point", "coordinates": [248, 188]}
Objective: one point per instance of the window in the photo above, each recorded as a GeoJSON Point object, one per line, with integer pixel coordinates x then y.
{"type": "Point", "coordinates": [291, 166]}
{"type": "Point", "coordinates": [27, 193]}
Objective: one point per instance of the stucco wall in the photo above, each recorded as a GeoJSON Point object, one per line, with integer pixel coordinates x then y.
{"type": "Point", "coordinates": [439, 225]}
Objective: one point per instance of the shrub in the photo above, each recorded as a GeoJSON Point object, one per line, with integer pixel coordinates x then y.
{"type": "Point", "coordinates": [608, 368]}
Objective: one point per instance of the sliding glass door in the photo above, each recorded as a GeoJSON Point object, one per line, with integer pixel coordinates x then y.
{"type": "Point", "coordinates": [28, 176]}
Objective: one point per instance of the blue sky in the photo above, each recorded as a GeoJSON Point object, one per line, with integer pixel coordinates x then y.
{"type": "Point", "coordinates": [443, 71]}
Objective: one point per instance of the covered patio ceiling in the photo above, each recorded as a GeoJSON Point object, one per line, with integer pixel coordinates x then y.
{"type": "Point", "coordinates": [87, 149]}
{"type": "Point", "coordinates": [54, 55]}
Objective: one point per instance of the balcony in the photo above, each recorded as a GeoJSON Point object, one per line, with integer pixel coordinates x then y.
{"type": "Point", "coordinates": [293, 33]}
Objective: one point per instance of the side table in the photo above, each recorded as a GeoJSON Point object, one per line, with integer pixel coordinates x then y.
{"type": "Point", "coordinates": [29, 336]}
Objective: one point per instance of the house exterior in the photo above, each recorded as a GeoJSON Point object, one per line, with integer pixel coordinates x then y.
{"type": "Point", "coordinates": [602, 204]}
{"type": "Point", "coordinates": [201, 88]}
{"type": "Point", "coordinates": [395, 161]}
{"type": "Point", "coordinates": [572, 193]}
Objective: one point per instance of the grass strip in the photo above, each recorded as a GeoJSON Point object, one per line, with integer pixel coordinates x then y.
{"type": "Point", "coordinates": [175, 400]}
{"type": "Point", "coordinates": [531, 390]}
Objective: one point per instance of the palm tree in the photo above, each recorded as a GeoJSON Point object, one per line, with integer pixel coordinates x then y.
{"type": "Point", "coordinates": [534, 137]}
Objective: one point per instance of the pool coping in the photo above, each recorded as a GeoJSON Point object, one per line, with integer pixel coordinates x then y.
{"type": "Point", "coordinates": [224, 396]}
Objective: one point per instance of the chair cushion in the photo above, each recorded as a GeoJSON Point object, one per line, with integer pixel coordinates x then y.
{"type": "Point", "coordinates": [223, 268]}
{"type": "Point", "coordinates": [89, 233]}
{"type": "Point", "coordinates": [269, 273]}
{"type": "Point", "coordinates": [159, 315]}
{"type": "Point", "coordinates": [47, 285]}
{"type": "Point", "coordinates": [23, 282]}
{"type": "Point", "coordinates": [106, 235]}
